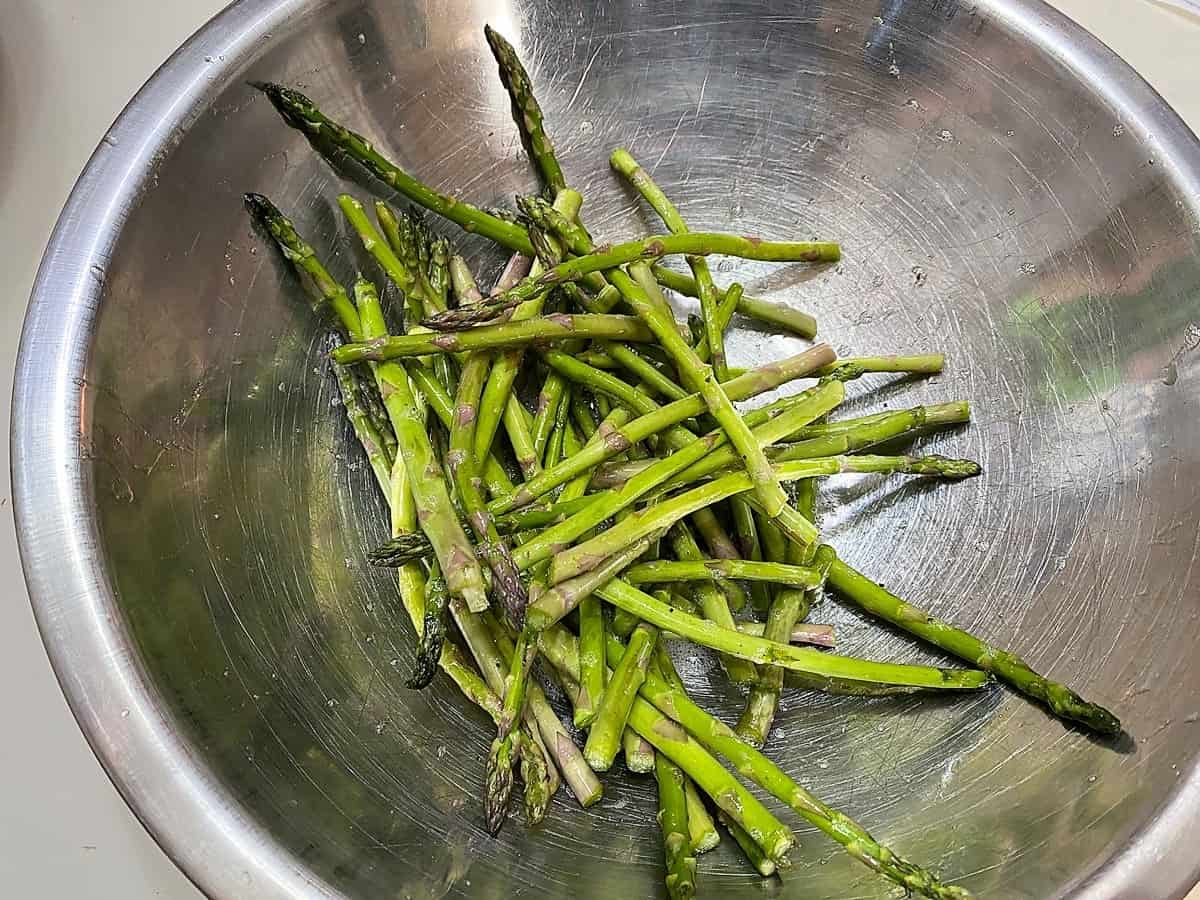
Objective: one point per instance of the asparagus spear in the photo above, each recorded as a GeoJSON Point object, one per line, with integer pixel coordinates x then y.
{"type": "Point", "coordinates": [605, 734]}
{"type": "Point", "coordinates": [442, 405]}
{"type": "Point", "coordinates": [548, 606]}
{"type": "Point", "coordinates": [327, 294]}
{"type": "Point", "coordinates": [802, 633]}
{"type": "Point", "coordinates": [435, 511]}
{"type": "Point", "coordinates": [432, 633]}
{"type": "Point", "coordinates": [799, 659]}
{"type": "Point", "coordinates": [696, 243]}
{"type": "Point", "coordinates": [526, 111]}
{"type": "Point", "coordinates": [556, 327]}
{"type": "Point", "coordinates": [673, 819]}
{"type": "Point", "coordinates": [1061, 700]}
{"type": "Point", "coordinates": [624, 163]}
{"type": "Point", "coordinates": [376, 245]}
{"type": "Point", "coordinates": [549, 399]}
{"type": "Point", "coordinates": [600, 381]}
{"type": "Point", "coordinates": [506, 582]}
{"type": "Point", "coordinates": [646, 371]}
{"type": "Point", "coordinates": [303, 115]}
{"type": "Point", "coordinates": [664, 571]}
{"type": "Point", "coordinates": [651, 307]}
{"type": "Point", "coordinates": [926, 364]}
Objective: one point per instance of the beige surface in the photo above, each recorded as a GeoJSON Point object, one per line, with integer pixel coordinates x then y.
{"type": "Point", "coordinates": [64, 831]}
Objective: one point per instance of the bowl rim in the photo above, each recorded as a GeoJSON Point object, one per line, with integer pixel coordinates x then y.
{"type": "Point", "coordinates": [187, 810]}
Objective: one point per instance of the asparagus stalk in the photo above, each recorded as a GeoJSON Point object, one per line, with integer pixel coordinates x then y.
{"type": "Point", "coordinates": [799, 659]}
{"type": "Point", "coordinates": [673, 819]}
{"type": "Point", "coordinates": [442, 404]}
{"type": "Point", "coordinates": [878, 427]}
{"type": "Point", "coordinates": [925, 364]}
{"type": "Point", "coordinates": [624, 163]}
{"type": "Point", "coordinates": [801, 633]}
{"type": "Point", "coordinates": [575, 489]}
{"type": "Point", "coordinates": [376, 245]}
{"type": "Point", "coordinates": [777, 314]}
{"type": "Point", "coordinates": [549, 399]}
{"type": "Point", "coordinates": [432, 634]}
{"type": "Point", "coordinates": [371, 402]}
{"type": "Point", "coordinates": [327, 135]}
{"type": "Point", "coordinates": [711, 777]}
{"type": "Point", "coordinates": [327, 294]}
{"type": "Point", "coordinates": [506, 582]}
{"type": "Point", "coordinates": [647, 372]}
{"type": "Point", "coordinates": [605, 734]}
{"type": "Point", "coordinates": [526, 111]}
{"type": "Point", "coordinates": [749, 547]}
{"type": "Point", "coordinates": [547, 607]}
{"type": "Point", "coordinates": [1061, 700]}
{"type": "Point", "coordinates": [556, 327]}
{"type": "Point", "coordinates": [664, 571]}
{"type": "Point", "coordinates": [435, 511]}
{"type": "Point", "coordinates": [600, 382]}
{"type": "Point", "coordinates": [610, 257]}
{"type": "Point", "coordinates": [613, 440]}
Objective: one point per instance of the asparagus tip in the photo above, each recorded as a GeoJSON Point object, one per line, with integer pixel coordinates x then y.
{"type": "Point", "coordinates": [947, 467]}
{"type": "Point", "coordinates": [259, 206]}
{"type": "Point", "coordinates": [458, 319]}
{"type": "Point", "coordinates": [499, 787]}
{"type": "Point", "coordinates": [398, 551]}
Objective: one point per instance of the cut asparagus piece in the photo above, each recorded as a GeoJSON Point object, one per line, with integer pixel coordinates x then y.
{"type": "Point", "coordinates": [1009, 667]}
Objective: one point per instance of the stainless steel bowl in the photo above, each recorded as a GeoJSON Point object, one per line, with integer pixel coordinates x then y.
{"type": "Point", "coordinates": [193, 517]}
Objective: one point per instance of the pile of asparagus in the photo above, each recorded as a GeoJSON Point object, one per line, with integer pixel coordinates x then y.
{"type": "Point", "coordinates": [596, 528]}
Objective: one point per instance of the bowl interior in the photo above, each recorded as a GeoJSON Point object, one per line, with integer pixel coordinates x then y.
{"type": "Point", "coordinates": [991, 202]}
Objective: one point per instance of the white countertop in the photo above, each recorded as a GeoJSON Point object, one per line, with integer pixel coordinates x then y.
{"type": "Point", "coordinates": [64, 831]}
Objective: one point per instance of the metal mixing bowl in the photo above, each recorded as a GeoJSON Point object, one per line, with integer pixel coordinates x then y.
{"type": "Point", "coordinates": [193, 516]}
